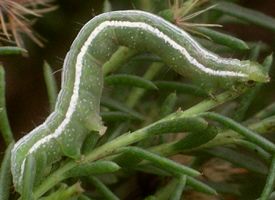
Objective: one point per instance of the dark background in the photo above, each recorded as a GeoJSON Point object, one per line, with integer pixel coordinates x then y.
{"type": "Point", "coordinates": [27, 100]}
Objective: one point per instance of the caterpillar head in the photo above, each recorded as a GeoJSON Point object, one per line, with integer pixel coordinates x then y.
{"type": "Point", "coordinates": [256, 73]}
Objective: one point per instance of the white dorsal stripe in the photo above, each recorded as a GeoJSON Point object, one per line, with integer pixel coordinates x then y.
{"type": "Point", "coordinates": [84, 49]}
{"type": "Point", "coordinates": [207, 54]}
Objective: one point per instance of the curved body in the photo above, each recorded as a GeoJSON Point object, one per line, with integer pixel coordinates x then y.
{"type": "Point", "coordinates": [77, 109]}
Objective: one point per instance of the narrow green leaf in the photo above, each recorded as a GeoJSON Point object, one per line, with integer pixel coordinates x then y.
{"type": "Point", "coordinates": [90, 142]}
{"type": "Point", "coordinates": [165, 192]}
{"type": "Point", "coordinates": [192, 182]}
{"type": "Point", "coordinates": [238, 159]}
{"type": "Point", "coordinates": [272, 196]}
{"type": "Point", "coordinates": [136, 93]}
{"type": "Point", "coordinates": [9, 50]}
{"type": "Point", "coordinates": [263, 126]}
{"type": "Point", "coordinates": [254, 148]}
{"type": "Point", "coordinates": [127, 160]}
{"type": "Point", "coordinates": [268, 61]}
{"type": "Point", "coordinates": [246, 14]}
{"type": "Point", "coordinates": [245, 102]}
{"type": "Point", "coordinates": [102, 189]}
{"type": "Point", "coordinates": [195, 139]}
{"type": "Point", "coordinates": [65, 193]}
{"type": "Point", "coordinates": [181, 88]}
{"type": "Point", "coordinates": [130, 80]}
{"type": "Point", "coordinates": [215, 47]}
{"type": "Point", "coordinates": [178, 125]}
{"type": "Point", "coordinates": [226, 188]}
{"type": "Point", "coordinates": [269, 185]}
{"type": "Point", "coordinates": [4, 122]}
{"type": "Point", "coordinates": [161, 162]}
{"type": "Point", "coordinates": [28, 178]}
{"type": "Point", "coordinates": [5, 174]}
{"type": "Point", "coordinates": [151, 169]}
{"type": "Point", "coordinates": [263, 47]}
{"type": "Point", "coordinates": [227, 19]}
{"type": "Point", "coordinates": [255, 52]}
{"type": "Point", "coordinates": [248, 134]}
{"type": "Point", "coordinates": [167, 14]}
{"type": "Point", "coordinates": [115, 116]}
{"type": "Point", "coordinates": [84, 197]}
{"type": "Point", "coordinates": [118, 59]}
{"type": "Point", "coordinates": [153, 6]}
{"type": "Point", "coordinates": [122, 128]}
{"type": "Point", "coordinates": [177, 195]}
{"type": "Point", "coordinates": [223, 39]}
{"type": "Point", "coordinates": [200, 186]}
{"type": "Point", "coordinates": [168, 104]}
{"type": "Point", "coordinates": [266, 112]}
{"type": "Point", "coordinates": [51, 85]}
{"type": "Point", "coordinates": [107, 6]}
{"type": "Point", "coordinates": [115, 105]}
{"type": "Point", "coordinates": [151, 197]}
{"type": "Point", "coordinates": [98, 167]}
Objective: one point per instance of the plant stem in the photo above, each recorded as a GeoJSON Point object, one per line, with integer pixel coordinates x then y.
{"type": "Point", "coordinates": [269, 182]}
{"type": "Point", "coordinates": [121, 56]}
{"type": "Point", "coordinates": [225, 138]}
{"type": "Point", "coordinates": [4, 122]}
{"type": "Point", "coordinates": [130, 138]}
{"type": "Point", "coordinates": [102, 188]}
{"type": "Point", "coordinates": [208, 104]}
{"type": "Point", "coordinates": [137, 93]}
{"type": "Point", "coordinates": [51, 85]}
{"type": "Point", "coordinates": [5, 174]}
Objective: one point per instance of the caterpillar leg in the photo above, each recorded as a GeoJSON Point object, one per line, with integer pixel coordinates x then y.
{"type": "Point", "coordinates": [72, 138]}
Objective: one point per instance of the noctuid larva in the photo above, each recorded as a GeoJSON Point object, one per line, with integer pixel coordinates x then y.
{"type": "Point", "coordinates": [76, 112]}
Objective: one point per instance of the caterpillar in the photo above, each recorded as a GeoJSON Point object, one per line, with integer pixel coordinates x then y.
{"type": "Point", "coordinates": [76, 113]}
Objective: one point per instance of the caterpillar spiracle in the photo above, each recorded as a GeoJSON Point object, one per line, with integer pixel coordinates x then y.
{"type": "Point", "coordinates": [76, 112]}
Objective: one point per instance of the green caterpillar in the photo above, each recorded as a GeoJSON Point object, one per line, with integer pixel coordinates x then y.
{"type": "Point", "coordinates": [76, 112]}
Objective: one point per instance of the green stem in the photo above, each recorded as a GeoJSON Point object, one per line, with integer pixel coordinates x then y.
{"type": "Point", "coordinates": [137, 93]}
{"type": "Point", "coordinates": [121, 56]}
{"type": "Point", "coordinates": [130, 138]}
{"type": "Point", "coordinates": [103, 189]}
{"type": "Point", "coordinates": [167, 190]}
{"type": "Point", "coordinates": [10, 50]}
{"type": "Point", "coordinates": [65, 192]}
{"type": "Point", "coordinates": [179, 188]}
{"type": "Point", "coordinates": [225, 138]}
{"type": "Point", "coordinates": [28, 177]}
{"type": "Point", "coordinates": [5, 174]}
{"type": "Point", "coordinates": [266, 112]}
{"type": "Point", "coordinates": [208, 104]}
{"type": "Point", "coordinates": [242, 130]}
{"type": "Point", "coordinates": [51, 85]}
{"type": "Point", "coordinates": [4, 122]}
{"type": "Point", "coordinates": [269, 182]}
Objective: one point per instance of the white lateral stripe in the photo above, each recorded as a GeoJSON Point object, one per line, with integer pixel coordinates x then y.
{"type": "Point", "coordinates": [83, 50]}
{"type": "Point", "coordinates": [203, 51]}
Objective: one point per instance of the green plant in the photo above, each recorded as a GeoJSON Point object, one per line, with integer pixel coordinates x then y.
{"type": "Point", "coordinates": [235, 136]}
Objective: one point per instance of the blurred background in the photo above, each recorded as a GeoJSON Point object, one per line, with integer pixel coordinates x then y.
{"type": "Point", "coordinates": [27, 101]}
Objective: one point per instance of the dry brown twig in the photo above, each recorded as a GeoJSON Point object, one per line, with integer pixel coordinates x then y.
{"type": "Point", "coordinates": [184, 11]}
{"type": "Point", "coordinates": [17, 17]}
